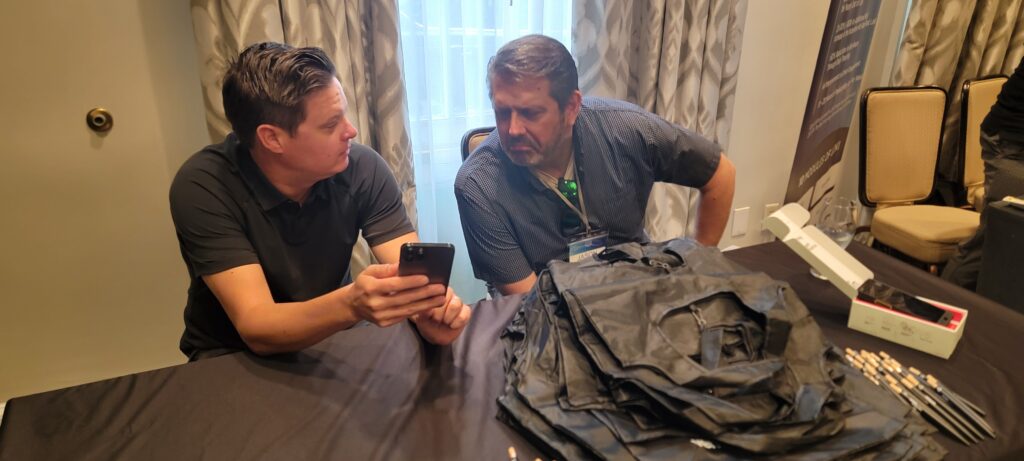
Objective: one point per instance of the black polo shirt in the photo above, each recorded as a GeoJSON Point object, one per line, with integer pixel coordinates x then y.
{"type": "Point", "coordinates": [1007, 115]}
{"type": "Point", "coordinates": [227, 214]}
{"type": "Point", "coordinates": [514, 225]}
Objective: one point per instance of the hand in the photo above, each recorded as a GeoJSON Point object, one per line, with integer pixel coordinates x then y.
{"type": "Point", "coordinates": [443, 324]}
{"type": "Point", "coordinates": [381, 297]}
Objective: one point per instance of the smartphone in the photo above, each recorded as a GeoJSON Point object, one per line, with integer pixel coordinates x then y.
{"type": "Point", "coordinates": [431, 259]}
{"type": "Point", "coordinates": [884, 295]}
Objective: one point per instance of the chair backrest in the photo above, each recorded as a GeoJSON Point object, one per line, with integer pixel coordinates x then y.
{"type": "Point", "coordinates": [470, 140]}
{"type": "Point", "coordinates": [979, 95]}
{"type": "Point", "coordinates": [473, 138]}
{"type": "Point", "coordinates": [900, 131]}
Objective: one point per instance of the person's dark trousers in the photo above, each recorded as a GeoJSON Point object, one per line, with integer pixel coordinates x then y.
{"type": "Point", "coordinates": [1004, 175]}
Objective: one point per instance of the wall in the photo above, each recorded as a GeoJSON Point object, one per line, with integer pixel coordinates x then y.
{"type": "Point", "coordinates": [93, 285]}
{"type": "Point", "coordinates": [780, 46]}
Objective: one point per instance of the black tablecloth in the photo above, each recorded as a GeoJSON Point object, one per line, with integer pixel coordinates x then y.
{"type": "Point", "coordinates": [381, 394]}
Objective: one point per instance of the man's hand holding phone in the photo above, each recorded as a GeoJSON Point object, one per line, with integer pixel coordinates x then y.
{"type": "Point", "coordinates": [443, 324]}
{"type": "Point", "coordinates": [382, 297]}
{"type": "Point", "coordinates": [415, 289]}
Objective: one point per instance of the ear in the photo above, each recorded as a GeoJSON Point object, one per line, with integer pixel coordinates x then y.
{"type": "Point", "coordinates": [271, 138]}
{"type": "Point", "coordinates": [572, 107]}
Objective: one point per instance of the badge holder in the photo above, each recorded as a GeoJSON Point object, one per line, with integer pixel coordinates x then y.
{"type": "Point", "coordinates": [586, 244]}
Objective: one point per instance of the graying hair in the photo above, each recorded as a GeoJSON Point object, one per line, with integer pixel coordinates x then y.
{"type": "Point", "coordinates": [536, 56]}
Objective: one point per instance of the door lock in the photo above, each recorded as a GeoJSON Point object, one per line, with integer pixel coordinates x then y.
{"type": "Point", "coordinates": [99, 120]}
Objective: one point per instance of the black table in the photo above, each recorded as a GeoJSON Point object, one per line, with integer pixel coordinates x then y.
{"type": "Point", "coordinates": [375, 394]}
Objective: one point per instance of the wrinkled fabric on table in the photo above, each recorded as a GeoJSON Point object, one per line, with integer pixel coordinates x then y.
{"type": "Point", "coordinates": [671, 351]}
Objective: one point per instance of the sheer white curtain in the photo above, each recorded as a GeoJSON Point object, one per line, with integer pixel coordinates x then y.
{"type": "Point", "coordinates": [445, 46]}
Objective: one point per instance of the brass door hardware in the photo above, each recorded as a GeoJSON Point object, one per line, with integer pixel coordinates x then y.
{"type": "Point", "coordinates": [99, 120]}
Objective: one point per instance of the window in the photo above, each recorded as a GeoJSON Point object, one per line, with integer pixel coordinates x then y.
{"type": "Point", "coordinates": [446, 45]}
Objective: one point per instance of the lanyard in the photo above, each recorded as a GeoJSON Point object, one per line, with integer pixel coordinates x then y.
{"type": "Point", "coordinates": [552, 183]}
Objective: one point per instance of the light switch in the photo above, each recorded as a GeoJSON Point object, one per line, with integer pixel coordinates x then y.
{"type": "Point", "coordinates": [740, 217]}
{"type": "Point", "coordinates": [768, 210]}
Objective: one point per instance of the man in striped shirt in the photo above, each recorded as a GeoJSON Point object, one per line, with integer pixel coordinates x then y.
{"type": "Point", "coordinates": [563, 176]}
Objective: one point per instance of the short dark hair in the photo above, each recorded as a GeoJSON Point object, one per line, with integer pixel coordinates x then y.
{"type": "Point", "coordinates": [268, 83]}
{"type": "Point", "coordinates": [536, 56]}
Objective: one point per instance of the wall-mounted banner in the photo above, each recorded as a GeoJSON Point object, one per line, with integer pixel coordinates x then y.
{"type": "Point", "coordinates": [833, 97]}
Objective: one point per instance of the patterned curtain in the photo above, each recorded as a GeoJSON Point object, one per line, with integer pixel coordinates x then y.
{"type": "Point", "coordinates": [950, 41]}
{"type": "Point", "coordinates": [675, 58]}
{"type": "Point", "coordinates": [360, 36]}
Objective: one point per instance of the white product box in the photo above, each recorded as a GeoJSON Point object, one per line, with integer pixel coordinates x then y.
{"type": "Point", "coordinates": [788, 224]}
{"type": "Point", "coordinates": [935, 339]}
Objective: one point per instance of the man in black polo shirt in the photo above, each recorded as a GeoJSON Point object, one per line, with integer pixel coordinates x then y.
{"type": "Point", "coordinates": [1002, 150]}
{"type": "Point", "coordinates": [266, 220]}
{"type": "Point", "coordinates": [564, 176]}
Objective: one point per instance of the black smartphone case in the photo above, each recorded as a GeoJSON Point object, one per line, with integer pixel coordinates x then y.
{"type": "Point", "coordinates": [431, 259]}
{"type": "Point", "coordinates": [884, 295]}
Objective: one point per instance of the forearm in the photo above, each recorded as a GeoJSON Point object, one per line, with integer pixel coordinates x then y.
{"type": "Point", "coordinates": [715, 203]}
{"type": "Point", "coordinates": [267, 327]}
{"type": "Point", "coordinates": [287, 327]}
{"type": "Point", "coordinates": [711, 221]}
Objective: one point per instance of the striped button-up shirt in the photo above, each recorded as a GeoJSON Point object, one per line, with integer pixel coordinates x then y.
{"type": "Point", "coordinates": [514, 225]}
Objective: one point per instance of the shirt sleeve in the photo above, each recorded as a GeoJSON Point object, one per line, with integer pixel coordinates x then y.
{"type": "Point", "coordinates": [382, 214]}
{"type": "Point", "coordinates": [681, 156]}
{"type": "Point", "coordinates": [493, 248]}
{"type": "Point", "coordinates": [208, 224]}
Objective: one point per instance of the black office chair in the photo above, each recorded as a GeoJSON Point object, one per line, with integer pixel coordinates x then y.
{"type": "Point", "coordinates": [470, 140]}
{"type": "Point", "coordinates": [473, 138]}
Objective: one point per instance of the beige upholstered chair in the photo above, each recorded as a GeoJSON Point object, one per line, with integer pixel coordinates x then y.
{"type": "Point", "coordinates": [473, 138]}
{"type": "Point", "coordinates": [900, 132]}
{"type": "Point", "coordinates": [978, 97]}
